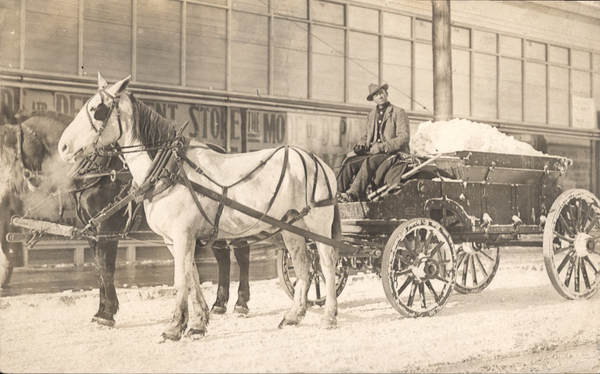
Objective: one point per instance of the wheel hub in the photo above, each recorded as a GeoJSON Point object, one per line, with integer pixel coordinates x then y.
{"type": "Point", "coordinates": [583, 244]}
{"type": "Point", "coordinates": [426, 269]}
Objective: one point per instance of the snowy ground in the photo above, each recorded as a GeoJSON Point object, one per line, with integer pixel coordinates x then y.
{"type": "Point", "coordinates": [519, 314]}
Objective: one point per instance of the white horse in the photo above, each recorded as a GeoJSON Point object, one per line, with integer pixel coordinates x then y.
{"type": "Point", "coordinates": [280, 184]}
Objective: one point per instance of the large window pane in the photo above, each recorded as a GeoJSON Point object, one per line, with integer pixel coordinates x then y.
{"type": "Point", "coordinates": [581, 83]}
{"type": "Point", "coordinates": [206, 47]}
{"type": "Point", "coordinates": [510, 46]}
{"type": "Point", "coordinates": [558, 55]}
{"type": "Point", "coordinates": [322, 11]}
{"type": "Point", "coordinates": [558, 96]}
{"type": "Point", "coordinates": [10, 33]}
{"type": "Point", "coordinates": [423, 30]}
{"type": "Point", "coordinates": [290, 58]}
{"type": "Point", "coordinates": [107, 38]}
{"type": "Point", "coordinates": [461, 88]}
{"type": "Point", "coordinates": [159, 41]}
{"type": "Point", "coordinates": [328, 64]}
{"type": "Point", "coordinates": [364, 65]}
{"type": "Point", "coordinates": [396, 25]}
{"type": "Point", "coordinates": [363, 18]}
{"type": "Point", "coordinates": [484, 41]}
{"type": "Point", "coordinates": [423, 77]}
{"type": "Point", "coordinates": [249, 53]}
{"type": "Point", "coordinates": [535, 92]}
{"type": "Point", "coordinates": [461, 37]}
{"type": "Point", "coordinates": [484, 86]}
{"type": "Point", "coordinates": [294, 8]}
{"type": "Point", "coordinates": [396, 70]}
{"type": "Point", "coordinates": [580, 59]}
{"type": "Point", "coordinates": [52, 35]}
{"type": "Point", "coordinates": [536, 51]}
{"type": "Point", "coordinates": [511, 90]}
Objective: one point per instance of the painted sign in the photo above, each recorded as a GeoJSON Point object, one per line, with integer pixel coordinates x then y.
{"type": "Point", "coordinates": [584, 113]}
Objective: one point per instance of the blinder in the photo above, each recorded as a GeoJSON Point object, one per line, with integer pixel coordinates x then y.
{"type": "Point", "coordinates": [101, 112]}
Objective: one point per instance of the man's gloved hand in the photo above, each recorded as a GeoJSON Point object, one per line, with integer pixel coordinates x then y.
{"type": "Point", "coordinates": [376, 148]}
{"type": "Point", "coordinates": [360, 149]}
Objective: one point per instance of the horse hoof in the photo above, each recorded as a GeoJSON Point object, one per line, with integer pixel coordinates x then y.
{"type": "Point", "coordinates": [328, 323]}
{"type": "Point", "coordinates": [241, 310]}
{"type": "Point", "coordinates": [103, 321]}
{"type": "Point", "coordinates": [286, 322]}
{"type": "Point", "coordinates": [173, 333]}
{"type": "Point", "coordinates": [196, 333]}
{"type": "Point", "coordinates": [218, 310]}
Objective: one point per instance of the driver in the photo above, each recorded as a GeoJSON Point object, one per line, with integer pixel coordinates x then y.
{"type": "Point", "coordinates": [387, 132]}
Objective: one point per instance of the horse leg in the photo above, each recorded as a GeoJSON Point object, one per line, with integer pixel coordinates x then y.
{"type": "Point", "coordinates": [224, 262]}
{"type": "Point", "coordinates": [200, 316]}
{"type": "Point", "coordinates": [242, 256]}
{"type": "Point", "coordinates": [328, 259]}
{"type": "Point", "coordinates": [296, 245]}
{"type": "Point", "coordinates": [106, 256]}
{"type": "Point", "coordinates": [180, 316]}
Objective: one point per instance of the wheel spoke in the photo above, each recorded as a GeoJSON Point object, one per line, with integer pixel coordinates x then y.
{"type": "Point", "coordinates": [563, 249]}
{"type": "Point", "coordinates": [592, 224]}
{"type": "Point", "coordinates": [587, 259]}
{"type": "Point", "coordinates": [482, 267]}
{"type": "Point", "coordinates": [466, 270]}
{"type": "Point", "coordinates": [564, 262]}
{"type": "Point", "coordinates": [404, 285]}
{"type": "Point", "coordinates": [430, 287]}
{"type": "Point", "coordinates": [569, 272]}
{"type": "Point", "coordinates": [442, 279]}
{"type": "Point", "coordinates": [428, 241]}
{"type": "Point", "coordinates": [562, 237]}
{"type": "Point", "coordinates": [486, 255]}
{"type": "Point", "coordinates": [586, 280]}
{"type": "Point", "coordinates": [402, 272]}
{"type": "Point", "coordinates": [577, 263]}
{"type": "Point", "coordinates": [422, 295]}
{"type": "Point", "coordinates": [318, 287]}
{"type": "Point", "coordinates": [418, 242]}
{"type": "Point", "coordinates": [565, 225]}
{"type": "Point", "coordinates": [436, 249]}
{"type": "Point", "coordinates": [473, 271]}
{"type": "Point", "coordinates": [411, 297]}
{"type": "Point", "coordinates": [585, 217]}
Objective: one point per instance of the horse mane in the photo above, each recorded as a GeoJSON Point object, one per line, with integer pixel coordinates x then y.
{"type": "Point", "coordinates": [57, 116]}
{"type": "Point", "coordinates": [149, 127]}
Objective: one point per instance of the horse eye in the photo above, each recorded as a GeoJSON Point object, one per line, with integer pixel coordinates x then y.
{"type": "Point", "coordinates": [101, 112]}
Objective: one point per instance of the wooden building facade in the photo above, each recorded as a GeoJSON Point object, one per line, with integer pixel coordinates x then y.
{"type": "Point", "coordinates": [252, 74]}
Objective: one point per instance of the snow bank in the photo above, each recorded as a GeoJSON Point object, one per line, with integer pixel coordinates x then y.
{"type": "Point", "coordinates": [464, 135]}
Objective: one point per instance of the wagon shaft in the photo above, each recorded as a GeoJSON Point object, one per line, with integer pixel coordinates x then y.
{"type": "Point", "coordinates": [47, 227]}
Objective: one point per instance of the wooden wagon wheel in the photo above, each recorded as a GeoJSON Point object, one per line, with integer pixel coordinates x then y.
{"type": "Point", "coordinates": [316, 288]}
{"type": "Point", "coordinates": [418, 268]}
{"type": "Point", "coordinates": [477, 264]}
{"type": "Point", "coordinates": [572, 260]}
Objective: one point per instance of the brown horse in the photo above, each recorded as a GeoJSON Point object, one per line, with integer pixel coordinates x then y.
{"type": "Point", "coordinates": [28, 159]}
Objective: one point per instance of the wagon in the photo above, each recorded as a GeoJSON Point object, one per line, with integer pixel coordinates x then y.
{"type": "Point", "coordinates": [430, 236]}
{"type": "Point", "coordinates": [426, 237]}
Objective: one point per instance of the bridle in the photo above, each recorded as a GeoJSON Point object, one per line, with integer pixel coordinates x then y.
{"type": "Point", "coordinates": [103, 113]}
{"type": "Point", "coordinates": [26, 172]}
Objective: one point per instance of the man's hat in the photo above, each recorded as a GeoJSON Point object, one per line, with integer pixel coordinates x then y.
{"type": "Point", "coordinates": [373, 88]}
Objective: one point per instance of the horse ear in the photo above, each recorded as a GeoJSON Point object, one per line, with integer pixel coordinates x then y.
{"type": "Point", "coordinates": [101, 82]}
{"type": "Point", "coordinates": [120, 86]}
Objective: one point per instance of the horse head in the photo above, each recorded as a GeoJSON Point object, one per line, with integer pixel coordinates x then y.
{"type": "Point", "coordinates": [97, 124]}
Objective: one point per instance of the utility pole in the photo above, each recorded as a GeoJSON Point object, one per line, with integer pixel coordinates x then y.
{"type": "Point", "coordinates": [442, 60]}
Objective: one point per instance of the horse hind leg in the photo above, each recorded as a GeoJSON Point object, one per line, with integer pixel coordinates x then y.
{"type": "Point", "coordinates": [328, 259]}
{"type": "Point", "coordinates": [224, 263]}
{"type": "Point", "coordinates": [296, 246]}
{"type": "Point", "coordinates": [242, 256]}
